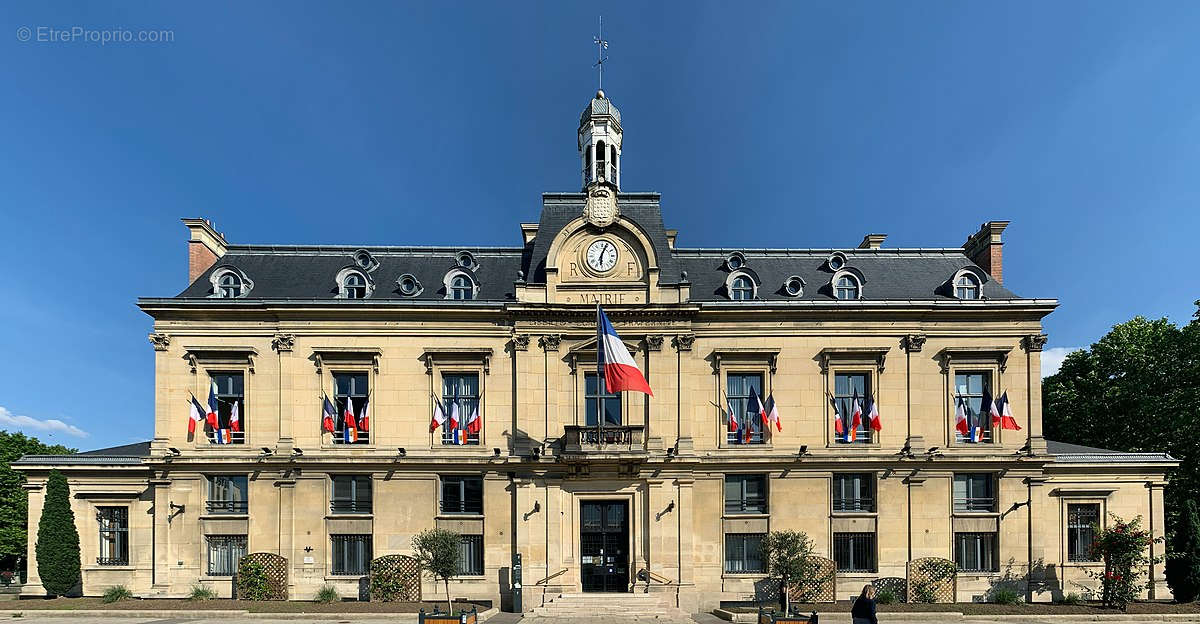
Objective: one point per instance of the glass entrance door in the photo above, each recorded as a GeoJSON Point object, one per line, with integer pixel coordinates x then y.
{"type": "Point", "coordinates": [604, 546]}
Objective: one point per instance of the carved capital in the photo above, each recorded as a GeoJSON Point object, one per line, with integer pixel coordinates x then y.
{"type": "Point", "coordinates": [913, 343]}
{"type": "Point", "coordinates": [520, 342]}
{"type": "Point", "coordinates": [283, 342]}
{"type": "Point", "coordinates": [654, 342]}
{"type": "Point", "coordinates": [683, 342]}
{"type": "Point", "coordinates": [1034, 342]}
{"type": "Point", "coordinates": [550, 342]}
{"type": "Point", "coordinates": [160, 342]}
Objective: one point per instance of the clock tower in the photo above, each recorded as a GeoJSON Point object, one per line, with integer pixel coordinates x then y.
{"type": "Point", "coordinates": [600, 142]}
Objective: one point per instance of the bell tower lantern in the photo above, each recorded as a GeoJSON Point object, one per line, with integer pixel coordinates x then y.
{"type": "Point", "coordinates": [600, 142]}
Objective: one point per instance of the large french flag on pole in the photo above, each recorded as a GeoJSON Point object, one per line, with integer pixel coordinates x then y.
{"type": "Point", "coordinates": [620, 372]}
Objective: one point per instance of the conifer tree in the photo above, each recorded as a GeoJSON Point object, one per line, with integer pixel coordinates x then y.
{"type": "Point", "coordinates": [57, 539]}
{"type": "Point", "coordinates": [1183, 560]}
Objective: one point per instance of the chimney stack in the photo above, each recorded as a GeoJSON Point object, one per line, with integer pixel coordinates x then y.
{"type": "Point", "coordinates": [872, 241]}
{"type": "Point", "coordinates": [205, 247]}
{"type": "Point", "coordinates": [986, 249]}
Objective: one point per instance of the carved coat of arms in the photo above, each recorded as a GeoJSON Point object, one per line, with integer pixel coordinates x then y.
{"type": "Point", "coordinates": [601, 208]}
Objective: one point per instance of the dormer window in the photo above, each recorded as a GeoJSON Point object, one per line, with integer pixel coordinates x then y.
{"type": "Point", "coordinates": [460, 286]}
{"type": "Point", "coordinates": [794, 286]}
{"type": "Point", "coordinates": [465, 260]}
{"type": "Point", "coordinates": [847, 288]}
{"type": "Point", "coordinates": [409, 285]}
{"type": "Point", "coordinates": [735, 261]}
{"type": "Point", "coordinates": [230, 286]}
{"type": "Point", "coordinates": [966, 286]}
{"type": "Point", "coordinates": [742, 289]}
{"type": "Point", "coordinates": [365, 260]}
{"type": "Point", "coordinates": [354, 287]}
{"type": "Point", "coordinates": [836, 261]}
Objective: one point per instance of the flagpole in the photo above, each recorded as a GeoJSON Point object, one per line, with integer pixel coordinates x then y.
{"type": "Point", "coordinates": [600, 392]}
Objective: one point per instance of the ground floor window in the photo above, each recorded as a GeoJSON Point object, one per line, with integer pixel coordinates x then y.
{"type": "Point", "coordinates": [114, 535]}
{"type": "Point", "coordinates": [224, 552]}
{"type": "Point", "coordinates": [470, 555]}
{"type": "Point", "coordinates": [743, 553]}
{"type": "Point", "coordinates": [976, 552]}
{"type": "Point", "coordinates": [351, 554]}
{"type": "Point", "coordinates": [854, 552]}
{"type": "Point", "coordinates": [1082, 521]}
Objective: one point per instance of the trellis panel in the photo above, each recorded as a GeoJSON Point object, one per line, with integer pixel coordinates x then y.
{"type": "Point", "coordinates": [932, 579]}
{"type": "Point", "coordinates": [275, 569]}
{"type": "Point", "coordinates": [821, 574]}
{"type": "Point", "coordinates": [395, 578]}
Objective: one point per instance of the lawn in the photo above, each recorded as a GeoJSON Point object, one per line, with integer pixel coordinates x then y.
{"type": "Point", "coordinates": [166, 604]}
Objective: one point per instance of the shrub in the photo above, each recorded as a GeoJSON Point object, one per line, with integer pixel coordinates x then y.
{"type": "Point", "coordinates": [200, 592]}
{"type": "Point", "coordinates": [885, 597]}
{"type": "Point", "coordinates": [1122, 547]}
{"type": "Point", "coordinates": [787, 554]}
{"type": "Point", "coordinates": [328, 594]}
{"type": "Point", "coordinates": [253, 583]}
{"type": "Point", "coordinates": [57, 539]}
{"type": "Point", "coordinates": [1071, 598]}
{"type": "Point", "coordinates": [116, 593]}
{"type": "Point", "coordinates": [437, 552]}
{"type": "Point", "coordinates": [1183, 558]}
{"type": "Point", "coordinates": [1005, 596]}
{"type": "Point", "coordinates": [932, 573]}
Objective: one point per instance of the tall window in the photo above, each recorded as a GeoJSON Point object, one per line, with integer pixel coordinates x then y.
{"type": "Point", "coordinates": [742, 289]}
{"type": "Point", "coordinates": [352, 388]}
{"type": "Point", "coordinates": [593, 392]}
{"type": "Point", "coordinates": [854, 492]}
{"type": "Point", "coordinates": [745, 494]}
{"type": "Point", "coordinates": [470, 555]}
{"type": "Point", "coordinates": [974, 492]}
{"type": "Point", "coordinates": [969, 387]}
{"type": "Point", "coordinates": [231, 391]}
{"type": "Point", "coordinates": [743, 553]}
{"type": "Point", "coordinates": [354, 286]}
{"type": "Point", "coordinates": [461, 389]}
{"type": "Point", "coordinates": [226, 494]}
{"type": "Point", "coordinates": [976, 552]}
{"type": "Point", "coordinates": [230, 285]}
{"type": "Point", "coordinates": [846, 288]}
{"type": "Point", "coordinates": [224, 551]}
{"type": "Point", "coordinates": [462, 288]}
{"type": "Point", "coordinates": [351, 554]}
{"type": "Point", "coordinates": [846, 388]}
{"type": "Point", "coordinates": [1082, 520]}
{"type": "Point", "coordinates": [966, 287]}
{"type": "Point", "coordinates": [854, 552]}
{"type": "Point", "coordinates": [737, 390]}
{"type": "Point", "coordinates": [351, 494]}
{"type": "Point", "coordinates": [114, 535]}
{"type": "Point", "coordinates": [462, 494]}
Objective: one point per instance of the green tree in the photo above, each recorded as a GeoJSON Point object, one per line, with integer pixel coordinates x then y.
{"type": "Point", "coordinates": [437, 550]}
{"type": "Point", "coordinates": [787, 554]}
{"type": "Point", "coordinates": [14, 500]}
{"type": "Point", "coordinates": [1183, 558]}
{"type": "Point", "coordinates": [57, 540]}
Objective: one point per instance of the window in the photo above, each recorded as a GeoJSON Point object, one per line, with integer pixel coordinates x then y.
{"type": "Point", "coordinates": [846, 287]}
{"type": "Point", "coordinates": [854, 492]}
{"type": "Point", "coordinates": [114, 535]}
{"type": "Point", "coordinates": [735, 261]}
{"type": "Point", "coordinates": [966, 287]}
{"type": "Point", "coordinates": [737, 391]}
{"type": "Point", "coordinates": [854, 552]}
{"type": "Point", "coordinates": [742, 289]}
{"type": "Point", "coordinates": [226, 494]}
{"type": "Point", "coordinates": [462, 288]}
{"type": "Point", "coordinates": [974, 492]}
{"type": "Point", "coordinates": [230, 285]}
{"type": "Point", "coordinates": [836, 261]}
{"type": "Point", "coordinates": [847, 388]}
{"type": "Point", "coordinates": [462, 390]}
{"type": "Point", "coordinates": [743, 553]}
{"type": "Point", "coordinates": [976, 552]}
{"type": "Point", "coordinates": [462, 494]}
{"type": "Point", "coordinates": [1082, 521]}
{"type": "Point", "coordinates": [354, 286]}
{"type": "Point", "coordinates": [351, 494]}
{"type": "Point", "coordinates": [351, 554]}
{"type": "Point", "coordinates": [224, 551]}
{"type": "Point", "coordinates": [969, 386]}
{"type": "Point", "coordinates": [746, 494]}
{"type": "Point", "coordinates": [410, 286]}
{"type": "Point", "coordinates": [794, 286]}
{"type": "Point", "coordinates": [470, 555]}
{"type": "Point", "coordinates": [350, 387]}
{"type": "Point", "coordinates": [593, 393]}
{"type": "Point", "coordinates": [230, 392]}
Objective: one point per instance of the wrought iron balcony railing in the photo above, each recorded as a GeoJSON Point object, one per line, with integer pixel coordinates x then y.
{"type": "Point", "coordinates": [226, 507]}
{"type": "Point", "coordinates": [609, 438]}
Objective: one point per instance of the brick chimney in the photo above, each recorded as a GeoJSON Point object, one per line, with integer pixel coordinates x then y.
{"type": "Point", "coordinates": [205, 247]}
{"type": "Point", "coordinates": [987, 250]}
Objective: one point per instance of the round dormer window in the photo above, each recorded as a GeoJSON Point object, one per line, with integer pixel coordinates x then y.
{"type": "Point", "coordinates": [794, 286]}
{"type": "Point", "coordinates": [735, 261]}
{"type": "Point", "coordinates": [837, 261]}
{"type": "Point", "coordinates": [465, 260]}
{"type": "Point", "coordinates": [409, 286]}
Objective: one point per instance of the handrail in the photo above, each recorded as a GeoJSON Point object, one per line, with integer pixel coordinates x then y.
{"type": "Point", "coordinates": [547, 579]}
{"type": "Point", "coordinates": [654, 576]}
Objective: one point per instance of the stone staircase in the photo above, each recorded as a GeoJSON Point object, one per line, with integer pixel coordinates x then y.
{"type": "Point", "coordinates": [633, 607]}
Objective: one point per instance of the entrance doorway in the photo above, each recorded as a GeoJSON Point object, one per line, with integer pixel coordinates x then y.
{"type": "Point", "coordinates": [604, 546]}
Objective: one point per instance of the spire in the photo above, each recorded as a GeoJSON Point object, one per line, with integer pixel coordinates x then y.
{"type": "Point", "coordinates": [600, 130]}
{"type": "Point", "coordinates": [601, 46]}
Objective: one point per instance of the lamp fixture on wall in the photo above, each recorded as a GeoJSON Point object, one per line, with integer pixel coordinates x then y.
{"type": "Point", "coordinates": [400, 450]}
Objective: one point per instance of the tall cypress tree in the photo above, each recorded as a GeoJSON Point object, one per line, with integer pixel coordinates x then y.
{"type": "Point", "coordinates": [1183, 562]}
{"type": "Point", "coordinates": [57, 539]}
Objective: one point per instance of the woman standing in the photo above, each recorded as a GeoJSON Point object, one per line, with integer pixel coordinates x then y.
{"type": "Point", "coordinates": [864, 608]}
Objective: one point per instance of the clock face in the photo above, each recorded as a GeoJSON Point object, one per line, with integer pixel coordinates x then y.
{"type": "Point", "coordinates": [602, 255]}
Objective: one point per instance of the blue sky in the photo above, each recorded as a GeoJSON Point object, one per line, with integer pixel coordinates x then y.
{"type": "Point", "coordinates": [777, 124]}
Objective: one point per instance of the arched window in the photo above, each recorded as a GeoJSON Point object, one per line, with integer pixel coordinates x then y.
{"type": "Point", "coordinates": [230, 285]}
{"type": "Point", "coordinates": [966, 287]}
{"type": "Point", "coordinates": [742, 289]}
{"type": "Point", "coordinates": [462, 288]}
{"type": "Point", "coordinates": [846, 287]}
{"type": "Point", "coordinates": [354, 286]}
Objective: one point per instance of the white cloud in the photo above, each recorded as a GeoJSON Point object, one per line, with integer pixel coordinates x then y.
{"type": "Point", "coordinates": [52, 425]}
{"type": "Point", "coordinates": [1053, 357]}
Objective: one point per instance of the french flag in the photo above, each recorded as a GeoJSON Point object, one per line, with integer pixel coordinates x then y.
{"type": "Point", "coordinates": [327, 413]}
{"type": "Point", "coordinates": [235, 419]}
{"type": "Point", "coordinates": [1007, 421]}
{"type": "Point", "coordinates": [755, 409]}
{"type": "Point", "coordinates": [960, 419]}
{"type": "Point", "coordinates": [773, 412]}
{"type": "Point", "coordinates": [364, 416]}
{"type": "Point", "coordinates": [349, 426]}
{"type": "Point", "coordinates": [839, 425]}
{"type": "Point", "coordinates": [197, 415]}
{"type": "Point", "coordinates": [620, 372]}
{"type": "Point", "coordinates": [733, 424]}
{"type": "Point", "coordinates": [212, 407]}
{"type": "Point", "coordinates": [439, 415]}
{"type": "Point", "coordinates": [855, 420]}
{"type": "Point", "coordinates": [873, 415]}
{"type": "Point", "coordinates": [474, 425]}
{"type": "Point", "coordinates": [988, 408]}
{"type": "Point", "coordinates": [221, 436]}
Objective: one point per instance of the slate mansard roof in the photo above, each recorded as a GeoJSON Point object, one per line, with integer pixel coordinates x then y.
{"type": "Point", "coordinates": [309, 272]}
{"type": "Point", "coordinates": [125, 455]}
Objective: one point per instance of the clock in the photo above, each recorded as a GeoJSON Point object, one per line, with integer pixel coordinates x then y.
{"type": "Point", "coordinates": [602, 256]}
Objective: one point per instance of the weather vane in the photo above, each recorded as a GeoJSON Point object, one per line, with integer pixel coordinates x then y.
{"type": "Point", "coordinates": [601, 46]}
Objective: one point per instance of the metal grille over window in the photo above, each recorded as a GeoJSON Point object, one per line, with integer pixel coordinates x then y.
{"type": "Point", "coordinates": [742, 553]}
{"type": "Point", "coordinates": [974, 492]}
{"type": "Point", "coordinates": [471, 555]}
{"type": "Point", "coordinates": [461, 389]}
{"type": "Point", "coordinates": [462, 494]}
{"type": "Point", "coordinates": [351, 554]}
{"type": "Point", "coordinates": [854, 552]}
{"type": "Point", "coordinates": [114, 535]}
{"type": "Point", "coordinates": [969, 387]}
{"type": "Point", "coordinates": [224, 551]}
{"type": "Point", "coordinates": [1082, 520]}
{"type": "Point", "coordinates": [976, 552]}
{"type": "Point", "coordinates": [745, 494]}
{"type": "Point", "coordinates": [352, 388]}
{"type": "Point", "coordinates": [351, 494]}
{"type": "Point", "coordinates": [737, 390]}
{"type": "Point", "coordinates": [592, 392]}
{"type": "Point", "coordinates": [846, 388]}
{"type": "Point", "coordinates": [854, 492]}
{"type": "Point", "coordinates": [231, 390]}
{"type": "Point", "coordinates": [226, 495]}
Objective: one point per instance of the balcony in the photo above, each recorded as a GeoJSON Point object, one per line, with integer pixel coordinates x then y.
{"type": "Point", "coordinates": [608, 442]}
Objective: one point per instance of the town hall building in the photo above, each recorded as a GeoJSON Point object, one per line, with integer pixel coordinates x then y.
{"type": "Point", "coordinates": [669, 494]}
